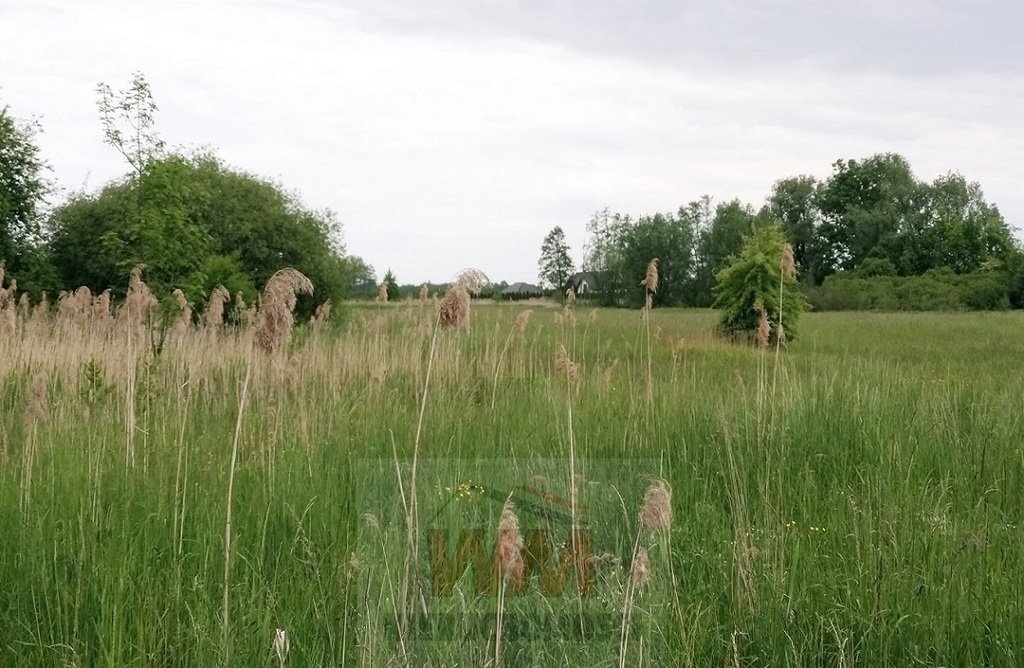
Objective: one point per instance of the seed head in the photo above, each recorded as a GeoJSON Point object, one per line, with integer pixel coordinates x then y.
{"type": "Point", "coordinates": [565, 365]}
{"type": "Point", "coordinates": [788, 265]}
{"type": "Point", "coordinates": [214, 315]}
{"type": "Point", "coordinates": [651, 278]}
{"type": "Point", "coordinates": [656, 512]}
{"type": "Point", "coordinates": [275, 318]}
{"type": "Point", "coordinates": [764, 327]}
{"type": "Point", "coordinates": [640, 572]}
{"type": "Point", "coordinates": [453, 310]}
{"type": "Point", "coordinates": [523, 319]}
{"type": "Point", "coordinates": [510, 542]}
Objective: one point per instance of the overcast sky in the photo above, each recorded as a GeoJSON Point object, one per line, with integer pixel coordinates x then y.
{"type": "Point", "coordinates": [453, 134]}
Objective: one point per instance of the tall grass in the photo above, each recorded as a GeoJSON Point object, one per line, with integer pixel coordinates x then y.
{"type": "Point", "coordinates": [883, 530]}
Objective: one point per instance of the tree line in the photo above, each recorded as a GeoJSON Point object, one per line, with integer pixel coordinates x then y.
{"type": "Point", "coordinates": [191, 221]}
{"type": "Point", "coordinates": [871, 226]}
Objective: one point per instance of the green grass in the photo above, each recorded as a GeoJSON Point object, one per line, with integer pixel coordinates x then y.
{"type": "Point", "coordinates": [866, 514]}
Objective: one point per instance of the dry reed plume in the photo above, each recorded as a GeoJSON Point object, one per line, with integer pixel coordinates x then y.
{"type": "Point", "coordinates": [133, 313]}
{"type": "Point", "coordinates": [184, 321]}
{"type": "Point", "coordinates": [522, 320]}
{"type": "Point", "coordinates": [764, 328]}
{"type": "Point", "coordinates": [509, 557]}
{"type": "Point", "coordinates": [650, 281]}
{"type": "Point", "coordinates": [510, 542]}
{"type": "Point", "coordinates": [213, 317]}
{"type": "Point", "coordinates": [640, 572]}
{"type": "Point", "coordinates": [320, 317]}
{"type": "Point", "coordinates": [275, 317]}
{"type": "Point", "coordinates": [453, 311]}
{"type": "Point", "coordinates": [564, 364]}
{"type": "Point", "coordinates": [656, 512]}
{"type": "Point", "coordinates": [788, 264]}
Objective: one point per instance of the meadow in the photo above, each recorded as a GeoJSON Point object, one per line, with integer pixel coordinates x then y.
{"type": "Point", "coordinates": [853, 499]}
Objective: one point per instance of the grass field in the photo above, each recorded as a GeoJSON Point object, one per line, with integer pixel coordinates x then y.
{"type": "Point", "coordinates": [855, 501]}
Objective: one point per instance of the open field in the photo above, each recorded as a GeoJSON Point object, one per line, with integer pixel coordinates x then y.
{"type": "Point", "coordinates": [855, 501]}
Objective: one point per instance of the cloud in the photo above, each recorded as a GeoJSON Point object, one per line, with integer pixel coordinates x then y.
{"type": "Point", "coordinates": [459, 138]}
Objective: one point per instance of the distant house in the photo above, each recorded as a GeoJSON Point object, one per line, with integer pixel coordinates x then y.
{"type": "Point", "coordinates": [522, 291]}
{"type": "Point", "coordinates": [584, 284]}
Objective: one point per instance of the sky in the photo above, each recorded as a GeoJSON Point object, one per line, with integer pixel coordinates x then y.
{"type": "Point", "coordinates": [449, 134]}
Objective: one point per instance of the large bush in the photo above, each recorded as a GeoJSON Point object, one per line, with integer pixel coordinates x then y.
{"type": "Point", "coordinates": [752, 280]}
{"type": "Point", "coordinates": [936, 290]}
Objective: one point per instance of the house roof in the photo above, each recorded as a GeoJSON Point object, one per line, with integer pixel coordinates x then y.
{"type": "Point", "coordinates": [522, 289]}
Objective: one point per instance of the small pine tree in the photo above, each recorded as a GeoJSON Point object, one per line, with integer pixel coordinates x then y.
{"type": "Point", "coordinates": [391, 285]}
{"type": "Point", "coordinates": [752, 279]}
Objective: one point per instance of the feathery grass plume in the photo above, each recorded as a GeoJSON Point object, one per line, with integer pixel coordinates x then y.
{"type": "Point", "coordinates": [275, 318]}
{"type": "Point", "coordinates": [184, 321]}
{"type": "Point", "coordinates": [382, 293]}
{"type": "Point", "coordinates": [24, 307]}
{"type": "Point", "coordinates": [523, 319]}
{"type": "Point", "coordinates": [320, 316]}
{"type": "Point", "coordinates": [508, 554]}
{"type": "Point", "coordinates": [640, 571]}
{"type": "Point", "coordinates": [41, 310]}
{"type": "Point", "coordinates": [139, 300]}
{"type": "Point", "coordinates": [101, 307]}
{"type": "Point", "coordinates": [37, 398]}
{"type": "Point", "coordinates": [764, 328]}
{"type": "Point", "coordinates": [656, 512]}
{"type": "Point", "coordinates": [565, 365]}
{"type": "Point", "coordinates": [213, 316]}
{"type": "Point", "coordinates": [471, 280]}
{"type": "Point", "coordinates": [788, 264]}
{"type": "Point", "coordinates": [8, 318]}
{"type": "Point", "coordinates": [509, 545]}
{"type": "Point", "coordinates": [424, 293]}
{"type": "Point", "coordinates": [651, 277]}
{"type": "Point", "coordinates": [245, 315]}
{"type": "Point", "coordinates": [453, 310]}
{"type": "Point", "coordinates": [65, 305]}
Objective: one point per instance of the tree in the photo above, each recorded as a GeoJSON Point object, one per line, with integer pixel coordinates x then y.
{"type": "Point", "coordinates": [751, 282]}
{"type": "Point", "coordinates": [23, 188]}
{"type": "Point", "coordinates": [555, 266]}
{"type": "Point", "coordinates": [794, 202]}
{"type": "Point", "coordinates": [668, 237]}
{"type": "Point", "coordinates": [391, 285]}
{"type": "Point", "coordinates": [196, 209]}
{"type": "Point", "coordinates": [128, 119]}
{"type": "Point", "coordinates": [718, 242]}
{"type": "Point", "coordinates": [864, 205]}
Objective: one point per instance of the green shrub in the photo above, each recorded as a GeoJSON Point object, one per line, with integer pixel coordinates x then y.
{"type": "Point", "coordinates": [752, 279]}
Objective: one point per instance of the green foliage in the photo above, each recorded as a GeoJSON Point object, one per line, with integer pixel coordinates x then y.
{"type": "Point", "coordinates": [883, 523]}
{"type": "Point", "coordinates": [718, 242]}
{"type": "Point", "coordinates": [194, 213]}
{"type": "Point", "coordinates": [22, 189]}
{"type": "Point", "coordinates": [936, 290]}
{"type": "Point", "coordinates": [620, 248]}
{"type": "Point", "coordinates": [217, 270]}
{"type": "Point", "coordinates": [391, 285]}
{"type": "Point", "coordinates": [870, 216]}
{"type": "Point", "coordinates": [752, 279]}
{"type": "Point", "coordinates": [555, 265]}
